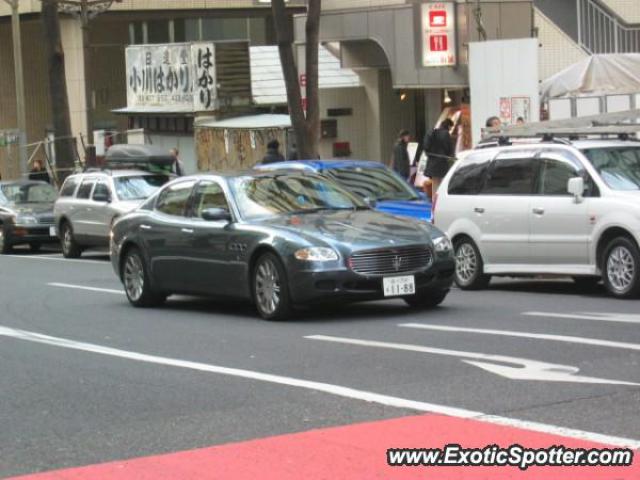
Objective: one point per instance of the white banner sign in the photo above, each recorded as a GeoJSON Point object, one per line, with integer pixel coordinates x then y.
{"type": "Point", "coordinates": [438, 34]}
{"type": "Point", "coordinates": [172, 76]}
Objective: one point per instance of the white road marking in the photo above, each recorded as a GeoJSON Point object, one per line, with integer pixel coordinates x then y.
{"type": "Point", "coordinates": [596, 317]}
{"type": "Point", "coordinates": [526, 369]}
{"type": "Point", "coordinates": [59, 259]}
{"type": "Point", "coordinates": [89, 289]}
{"type": "Point", "coordinates": [536, 336]}
{"type": "Point", "coordinates": [337, 390]}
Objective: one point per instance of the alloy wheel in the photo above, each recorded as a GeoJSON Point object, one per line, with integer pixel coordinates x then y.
{"type": "Point", "coordinates": [67, 239]}
{"type": "Point", "coordinates": [1, 240]}
{"type": "Point", "coordinates": [134, 277]}
{"type": "Point", "coordinates": [466, 263]}
{"type": "Point", "coordinates": [621, 269]}
{"type": "Point", "coordinates": [267, 287]}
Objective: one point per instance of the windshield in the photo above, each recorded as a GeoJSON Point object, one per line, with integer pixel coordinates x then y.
{"type": "Point", "coordinates": [140, 187]}
{"type": "Point", "coordinates": [23, 193]}
{"type": "Point", "coordinates": [260, 197]}
{"type": "Point", "coordinates": [374, 183]}
{"type": "Point", "coordinates": [618, 167]}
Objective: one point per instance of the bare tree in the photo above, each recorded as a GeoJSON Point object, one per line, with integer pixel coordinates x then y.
{"type": "Point", "coordinates": [306, 127]}
{"type": "Point", "coordinates": [64, 144]}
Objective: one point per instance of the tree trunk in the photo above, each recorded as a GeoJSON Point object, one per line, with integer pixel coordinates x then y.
{"type": "Point", "coordinates": [306, 128]}
{"type": "Point", "coordinates": [64, 144]}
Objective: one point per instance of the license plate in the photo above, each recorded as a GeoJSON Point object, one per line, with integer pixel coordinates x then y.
{"type": "Point", "coordinates": [399, 286]}
{"type": "Point", "coordinates": [52, 231]}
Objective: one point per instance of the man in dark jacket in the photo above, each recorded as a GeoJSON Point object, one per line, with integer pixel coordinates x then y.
{"type": "Point", "coordinates": [401, 161]}
{"type": "Point", "coordinates": [273, 153]}
{"type": "Point", "coordinates": [39, 173]}
{"type": "Point", "coordinates": [439, 148]}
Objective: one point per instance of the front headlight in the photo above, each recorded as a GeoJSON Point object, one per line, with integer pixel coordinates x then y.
{"type": "Point", "coordinates": [26, 220]}
{"type": "Point", "coordinates": [317, 254]}
{"type": "Point", "coordinates": [442, 244]}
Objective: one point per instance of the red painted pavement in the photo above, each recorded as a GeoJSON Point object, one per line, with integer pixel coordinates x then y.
{"type": "Point", "coordinates": [350, 452]}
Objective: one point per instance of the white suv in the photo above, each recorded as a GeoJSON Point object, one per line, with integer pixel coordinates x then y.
{"type": "Point", "coordinates": [546, 208]}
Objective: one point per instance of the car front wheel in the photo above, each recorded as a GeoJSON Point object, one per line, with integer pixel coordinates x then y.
{"type": "Point", "coordinates": [426, 299]}
{"type": "Point", "coordinates": [270, 288]}
{"type": "Point", "coordinates": [469, 266]}
{"type": "Point", "coordinates": [5, 246]}
{"type": "Point", "coordinates": [621, 268]}
{"type": "Point", "coordinates": [137, 281]}
{"type": "Point", "coordinates": [70, 248]}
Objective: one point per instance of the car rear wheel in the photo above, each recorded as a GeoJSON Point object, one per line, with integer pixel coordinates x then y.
{"type": "Point", "coordinates": [469, 266]}
{"type": "Point", "coordinates": [137, 282]}
{"type": "Point", "coordinates": [70, 248]}
{"type": "Point", "coordinates": [621, 268]}
{"type": "Point", "coordinates": [5, 246]}
{"type": "Point", "coordinates": [270, 288]}
{"type": "Point", "coordinates": [427, 299]}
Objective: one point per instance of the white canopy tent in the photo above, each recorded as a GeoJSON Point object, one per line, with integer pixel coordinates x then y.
{"type": "Point", "coordinates": [597, 75]}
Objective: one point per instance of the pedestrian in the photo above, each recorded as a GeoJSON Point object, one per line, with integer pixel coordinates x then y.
{"type": "Point", "coordinates": [438, 146]}
{"type": "Point", "coordinates": [520, 122]}
{"type": "Point", "coordinates": [178, 166]}
{"type": "Point", "coordinates": [273, 154]}
{"type": "Point", "coordinates": [401, 163]}
{"type": "Point", "coordinates": [39, 173]}
{"type": "Point", "coordinates": [493, 123]}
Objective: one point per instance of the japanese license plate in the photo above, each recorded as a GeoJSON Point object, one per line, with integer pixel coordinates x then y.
{"type": "Point", "coordinates": [52, 231]}
{"type": "Point", "coordinates": [399, 286]}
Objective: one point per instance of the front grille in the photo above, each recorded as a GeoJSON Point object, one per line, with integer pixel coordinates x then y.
{"type": "Point", "coordinates": [391, 261]}
{"type": "Point", "coordinates": [46, 219]}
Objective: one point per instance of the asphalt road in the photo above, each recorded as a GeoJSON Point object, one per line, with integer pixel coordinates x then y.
{"type": "Point", "coordinates": [66, 404]}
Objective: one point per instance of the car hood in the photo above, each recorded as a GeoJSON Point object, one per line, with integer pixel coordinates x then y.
{"type": "Point", "coordinates": [355, 230]}
{"type": "Point", "coordinates": [418, 209]}
{"type": "Point", "coordinates": [31, 208]}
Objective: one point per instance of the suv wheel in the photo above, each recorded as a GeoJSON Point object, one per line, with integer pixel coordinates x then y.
{"type": "Point", "coordinates": [469, 266]}
{"type": "Point", "coordinates": [621, 268]}
{"type": "Point", "coordinates": [5, 246]}
{"type": "Point", "coordinates": [70, 248]}
{"type": "Point", "coordinates": [137, 281]}
{"type": "Point", "coordinates": [270, 288]}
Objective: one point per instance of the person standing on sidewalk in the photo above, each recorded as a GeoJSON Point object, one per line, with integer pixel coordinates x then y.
{"type": "Point", "coordinates": [439, 149]}
{"type": "Point", "coordinates": [401, 161]}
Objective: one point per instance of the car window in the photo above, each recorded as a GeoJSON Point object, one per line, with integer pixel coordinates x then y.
{"type": "Point", "coordinates": [138, 187]}
{"type": "Point", "coordinates": [469, 178]}
{"type": "Point", "coordinates": [102, 189]}
{"type": "Point", "coordinates": [208, 195]}
{"type": "Point", "coordinates": [69, 187]}
{"type": "Point", "coordinates": [511, 175]}
{"type": "Point", "coordinates": [555, 172]}
{"type": "Point", "coordinates": [376, 183]}
{"type": "Point", "coordinates": [27, 193]}
{"type": "Point", "coordinates": [619, 167]}
{"type": "Point", "coordinates": [174, 199]}
{"type": "Point", "coordinates": [85, 188]}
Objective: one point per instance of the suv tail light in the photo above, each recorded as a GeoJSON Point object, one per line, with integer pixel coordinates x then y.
{"type": "Point", "coordinates": [434, 202]}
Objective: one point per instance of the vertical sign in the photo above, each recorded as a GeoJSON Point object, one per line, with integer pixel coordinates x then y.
{"type": "Point", "coordinates": [205, 74]}
{"type": "Point", "coordinates": [438, 34]}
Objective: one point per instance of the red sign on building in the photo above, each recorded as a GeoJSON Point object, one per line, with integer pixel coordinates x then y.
{"type": "Point", "coordinates": [439, 43]}
{"type": "Point", "coordinates": [438, 18]}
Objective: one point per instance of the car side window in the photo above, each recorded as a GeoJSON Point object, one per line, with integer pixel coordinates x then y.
{"type": "Point", "coordinates": [174, 199]}
{"type": "Point", "coordinates": [102, 190]}
{"type": "Point", "coordinates": [69, 187]}
{"type": "Point", "coordinates": [208, 195]}
{"type": "Point", "coordinates": [512, 175]}
{"type": "Point", "coordinates": [469, 178]}
{"type": "Point", "coordinates": [556, 168]}
{"type": "Point", "coordinates": [84, 192]}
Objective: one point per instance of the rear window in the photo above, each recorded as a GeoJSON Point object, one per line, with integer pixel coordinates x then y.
{"type": "Point", "coordinates": [69, 187]}
{"type": "Point", "coordinates": [469, 178]}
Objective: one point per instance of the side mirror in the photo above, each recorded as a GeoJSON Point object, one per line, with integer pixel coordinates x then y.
{"type": "Point", "coordinates": [216, 215]}
{"type": "Point", "coordinates": [102, 197]}
{"type": "Point", "coordinates": [575, 186]}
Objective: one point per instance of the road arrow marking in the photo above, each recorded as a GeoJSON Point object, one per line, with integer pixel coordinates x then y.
{"type": "Point", "coordinates": [526, 369]}
{"type": "Point", "coordinates": [596, 317]}
{"type": "Point", "coordinates": [537, 336]}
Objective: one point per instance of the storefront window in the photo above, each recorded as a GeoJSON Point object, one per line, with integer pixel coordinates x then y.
{"type": "Point", "coordinates": [158, 31]}
{"type": "Point", "coordinates": [258, 31]}
{"type": "Point", "coordinates": [225, 29]}
{"type": "Point", "coordinates": [136, 33]}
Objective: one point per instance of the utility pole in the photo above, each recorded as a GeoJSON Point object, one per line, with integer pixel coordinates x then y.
{"type": "Point", "coordinates": [19, 79]}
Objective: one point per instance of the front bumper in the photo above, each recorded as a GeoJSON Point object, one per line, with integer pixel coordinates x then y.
{"type": "Point", "coordinates": [345, 285]}
{"type": "Point", "coordinates": [32, 233]}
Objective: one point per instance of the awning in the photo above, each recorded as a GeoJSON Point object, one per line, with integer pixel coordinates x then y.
{"type": "Point", "coordinates": [612, 74]}
{"type": "Point", "coordinates": [249, 122]}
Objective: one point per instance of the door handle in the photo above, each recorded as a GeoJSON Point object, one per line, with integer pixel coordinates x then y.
{"type": "Point", "coordinates": [187, 230]}
{"type": "Point", "coordinates": [538, 211]}
{"type": "Point", "coordinates": [478, 210]}
{"type": "Point", "coordinates": [145, 227]}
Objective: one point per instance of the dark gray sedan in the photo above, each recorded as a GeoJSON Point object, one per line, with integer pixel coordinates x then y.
{"type": "Point", "coordinates": [26, 214]}
{"type": "Point", "coordinates": [281, 239]}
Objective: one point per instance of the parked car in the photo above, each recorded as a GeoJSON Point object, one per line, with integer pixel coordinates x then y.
{"type": "Point", "coordinates": [380, 186]}
{"type": "Point", "coordinates": [90, 202]}
{"type": "Point", "coordinates": [278, 238]}
{"type": "Point", "coordinates": [546, 208]}
{"type": "Point", "coordinates": [26, 214]}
